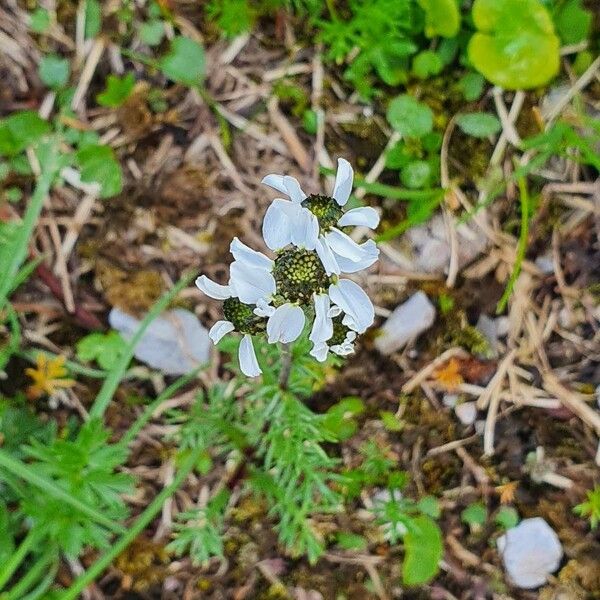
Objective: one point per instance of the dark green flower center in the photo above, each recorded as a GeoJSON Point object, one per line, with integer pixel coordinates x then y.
{"type": "Point", "coordinates": [339, 331]}
{"type": "Point", "coordinates": [243, 317]}
{"type": "Point", "coordinates": [298, 274]}
{"type": "Point", "coordinates": [326, 209]}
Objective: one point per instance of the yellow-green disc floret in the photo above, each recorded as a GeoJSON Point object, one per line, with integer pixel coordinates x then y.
{"type": "Point", "coordinates": [326, 209]}
{"type": "Point", "coordinates": [298, 274]}
{"type": "Point", "coordinates": [242, 316]}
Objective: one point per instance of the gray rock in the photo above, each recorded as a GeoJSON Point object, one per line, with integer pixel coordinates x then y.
{"type": "Point", "coordinates": [174, 343]}
{"type": "Point", "coordinates": [430, 246]}
{"type": "Point", "coordinates": [530, 552]}
{"type": "Point", "coordinates": [407, 322]}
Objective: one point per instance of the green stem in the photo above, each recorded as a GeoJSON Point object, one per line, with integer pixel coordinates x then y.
{"type": "Point", "coordinates": [44, 584]}
{"type": "Point", "coordinates": [40, 193]}
{"type": "Point", "coordinates": [134, 530]}
{"type": "Point", "coordinates": [33, 575]}
{"type": "Point", "coordinates": [521, 246]}
{"type": "Point", "coordinates": [141, 421]}
{"type": "Point", "coordinates": [17, 558]}
{"type": "Point", "coordinates": [115, 375]}
{"type": "Point", "coordinates": [24, 471]}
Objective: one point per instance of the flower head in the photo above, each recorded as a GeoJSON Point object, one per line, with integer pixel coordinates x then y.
{"type": "Point", "coordinates": [274, 296]}
{"type": "Point", "coordinates": [317, 222]}
{"type": "Point", "coordinates": [49, 375]}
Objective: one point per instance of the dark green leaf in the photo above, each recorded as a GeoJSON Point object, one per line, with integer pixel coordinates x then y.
{"type": "Point", "coordinates": [185, 62]}
{"type": "Point", "coordinates": [99, 165]}
{"type": "Point", "coordinates": [481, 125]}
{"type": "Point", "coordinates": [471, 86]}
{"type": "Point", "coordinates": [93, 18]}
{"type": "Point", "coordinates": [573, 22]}
{"type": "Point", "coordinates": [424, 550]}
{"type": "Point", "coordinates": [409, 116]}
{"type": "Point", "coordinates": [20, 130]}
{"type": "Point", "coordinates": [54, 71]}
{"type": "Point", "coordinates": [426, 63]}
{"type": "Point", "coordinates": [117, 90]}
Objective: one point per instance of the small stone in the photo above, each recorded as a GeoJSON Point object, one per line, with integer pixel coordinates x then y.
{"type": "Point", "coordinates": [174, 343]}
{"type": "Point", "coordinates": [530, 552]}
{"type": "Point", "coordinates": [545, 264]}
{"type": "Point", "coordinates": [489, 330]}
{"type": "Point", "coordinates": [406, 323]}
{"type": "Point", "coordinates": [466, 412]}
{"type": "Point", "coordinates": [450, 400]}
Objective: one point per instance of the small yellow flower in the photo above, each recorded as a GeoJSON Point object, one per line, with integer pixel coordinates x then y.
{"type": "Point", "coordinates": [507, 491]}
{"type": "Point", "coordinates": [48, 376]}
{"type": "Point", "coordinates": [449, 376]}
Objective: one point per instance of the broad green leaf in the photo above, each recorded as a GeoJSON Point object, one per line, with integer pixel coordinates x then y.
{"type": "Point", "coordinates": [339, 419]}
{"type": "Point", "coordinates": [479, 125]}
{"type": "Point", "coordinates": [93, 18]}
{"type": "Point", "coordinates": [409, 116]}
{"type": "Point", "coordinates": [104, 348]}
{"type": "Point", "coordinates": [441, 17]}
{"type": "Point", "coordinates": [117, 90]}
{"type": "Point", "coordinates": [474, 514]}
{"type": "Point", "coordinates": [98, 165]}
{"type": "Point", "coordinates": [40, 20]}
{"type": "Point", "coordinates": [185, 62]}
{"type": "Point", "coordinates": [515, 46]}
{"type": "Point", "coordinates": [152, 32]}
{"type": "Point", "coordinates": [507, 517]}
{"type": "Point", "coordinates": [54, 71]}
{"type": "Point", "coordinates": [426, 64]}
{"type": "Point", "coordinates": [20, 130]}
{"type": "Point", "coordinates": [573, 22]}
{"type": "Point", "coordinates": [310, 121]}
{"type": "Point", "coordinates": [471, 86]}
{"type": "Point", "coordinates": [429, 506]}
{"type": "Point", "coordinates": [424, 550]}
{"type": "Point", "coordinates": [391, 60]}
{"type": "Point", "coordinates": [416, 175]}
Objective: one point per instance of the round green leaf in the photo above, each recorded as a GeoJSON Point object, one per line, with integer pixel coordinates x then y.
{"type": "Point", "coordinates": [479, 125]}
{"type": "Point", "coordinates": [441, 17]}
{"type": "Point", "coordinates": [99, 165]}
{"type": "Point", "coordinates": [185, 62]}
{"type": "Point", "coordinates": [426, 64]}
{"type": "Point", "coordinates": [409, 116]}
{"type": "Point", "coordinates": [515, 47]}
{"type": "Point", "coordinates": [416, 175]}
{"type": "Point", "coordinates": [54, 71]}
{"type": "Point", "coordinates": [424, 550]}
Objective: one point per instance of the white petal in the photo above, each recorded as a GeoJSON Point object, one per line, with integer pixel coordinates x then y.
{"type": "Point", "coordinates": [219, 329]}
{"type": "Point", "coordinates": [327, 257]}
{"type": "Point", "coordinates": [250, 285]}
{"type": "Point", "coordinates": [247, 256]}
{"type": "Point", "coordinates": [352, 266]}
{"type": "Point", "coordinates": [293, 189]}
{"type": "Point", "coordinates": [213, 289]}
{"type": "Point", "coordinates": [286, 185]}
{"type": "Point", "coordinates": [247, 356]}
{"type": "Point", "coordinates": [322, 328]}
{"type": "Point", "coordinates": [343, 349]}
{"type": "Point", "coordinates": [285, 324]}
{"type": "Point", "coordinates": [276, 227]}
{"type": "Point", "coordinates": [343, 182]}
{"type": "Point", "coordinates": [263, 308]}
{"type": "Point", "coordinates": [345, 246]}
{"type": "Point", "coordinates": [353, 300]}
{"type": "Point", "coordinates": [305, 230]}
{"type": "Point", "coordinates": [320, 351]}
{"type": "Point", "coordinates": [365, 216]}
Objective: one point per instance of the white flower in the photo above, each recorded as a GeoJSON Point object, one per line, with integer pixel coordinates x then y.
{"type": "Point", "coordinates": [354, 302]}
{"type": "Point", "coordinates": [314, 222]}
{"type": "Point", "coordinates": [247, 301]}
{"type": "Point", "coordinates": [246, 354]}
{"type": "Point", "coordinates": [323, 330]}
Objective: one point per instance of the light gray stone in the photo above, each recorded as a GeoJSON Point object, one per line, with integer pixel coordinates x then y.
{"type": "Point", "coordinates": [530, 552]}
{"type": "Point", "coordinates": [407, 322]}
{"type": "Point", "coordinates": [174, 343]}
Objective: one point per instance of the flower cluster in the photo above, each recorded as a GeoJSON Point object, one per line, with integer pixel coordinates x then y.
{"type": "Point", "coordinates": [308, 235]}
